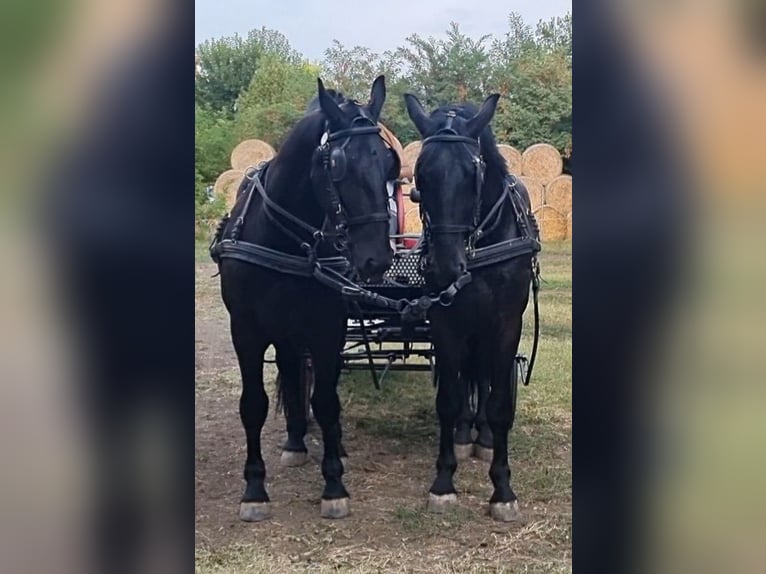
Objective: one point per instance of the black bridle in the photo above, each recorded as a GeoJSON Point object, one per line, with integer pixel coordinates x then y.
{"type": "Point", "coordinates": [448, 135]}
{"type": "Point", "coordinates": [333, 159]}
{"type": "Point", "coordinates": [335, 167]}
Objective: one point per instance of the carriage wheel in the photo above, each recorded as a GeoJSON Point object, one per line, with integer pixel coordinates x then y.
{"type": "Point", "coordinates": [307, 385]}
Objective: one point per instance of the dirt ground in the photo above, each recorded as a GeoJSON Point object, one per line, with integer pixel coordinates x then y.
{"type": "Point", "coordinates": [391, 437]}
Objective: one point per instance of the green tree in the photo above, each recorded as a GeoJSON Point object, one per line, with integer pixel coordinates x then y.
{"type": "Point", "coordinates": [228, 65]}
{"type": "Point", "coordinates": [533, 71]}
{"type": "Point", "coordinates": [351, 71]}
{"type": "Point", "coordinates": [441, 71]}
{"type": "Point", "coordinates": [275, 100]}
{"type": "Point", "coordinates": [213, 142]}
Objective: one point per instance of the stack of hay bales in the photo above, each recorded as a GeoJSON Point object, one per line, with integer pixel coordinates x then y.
{"type": "Point", "coordinates": [409, 156]}
{"type": "Point", "coordinates": [539, 168]}
{"type": "Point", "coordinates": [550, 191]}
{"type": "Point", "coordinates": [248, 153]}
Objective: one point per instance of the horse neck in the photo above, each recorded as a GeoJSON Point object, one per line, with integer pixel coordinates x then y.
{"type": "Point", "coordinates": [288, 184]}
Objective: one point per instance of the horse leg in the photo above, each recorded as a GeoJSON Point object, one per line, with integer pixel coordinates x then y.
{"type": "Point", "coordinates": [294, 452]}
{"type": "Point", "coordinates": [501, 411]}
{"type": "Point", "coordinates": [250, 346]}
{"type": "Point", "coordinates": [326, 407]}
{"type": "Point", "coordinates": [483, 443]}
{"type": "Point", "coordinates": [341, 449]}
{"type": "Point", "coordinates": [463, 438]}
{"type": "Point", "coordinates": [442, 494]}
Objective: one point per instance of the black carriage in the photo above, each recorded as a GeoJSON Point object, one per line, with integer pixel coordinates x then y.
{"type": "Point", "coordinates": [379, 339]}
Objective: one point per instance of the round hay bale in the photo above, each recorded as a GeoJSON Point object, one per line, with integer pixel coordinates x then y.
{"type": "Point", "coordinates": [512, 158]}
{"type": "Point", "coordinates": [536, 191]}
{"type": "Point", "coordinates": [542, 161]}
{"type": "Point", "coordinates": [251, 152]}
{"type": "Point", "coordinates": [558, 193]}
{"type": "Point", "coordinates": [410, 154]}
{"type": "Point", "coordinates": [412, 223]}
{"type": "Point", "coordinates": [226, 185]}
{"type": "Point", "coordinates": [553, 224]}
{"type": "Point", "coordinates": [569, 226]}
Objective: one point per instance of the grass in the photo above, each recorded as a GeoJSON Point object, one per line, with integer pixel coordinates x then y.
{"type": "Point", "coordinates": [398, 423]}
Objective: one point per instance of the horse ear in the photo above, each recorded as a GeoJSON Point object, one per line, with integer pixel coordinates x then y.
{"type": "Point", "coordinates": [328, 105]}
{"type": "Point", "coordinates": [481, 120]}
{"type": "Point", "coordinates": [377, 97]}
{"type": "Point", "coordinates": [417, 114]}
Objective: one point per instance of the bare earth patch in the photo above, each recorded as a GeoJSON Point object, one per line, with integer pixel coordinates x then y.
{"type": "Point", "coordinates": [391, 437]}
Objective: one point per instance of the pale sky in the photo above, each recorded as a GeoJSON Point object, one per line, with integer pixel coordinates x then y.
{"type": "Point", "coordinates": [312, 25]}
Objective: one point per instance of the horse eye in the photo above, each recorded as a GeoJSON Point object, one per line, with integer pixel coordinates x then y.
{"type": "Point", "coordinates": [373, 152]}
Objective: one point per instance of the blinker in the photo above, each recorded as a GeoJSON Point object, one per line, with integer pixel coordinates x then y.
{"type": "Point", "coordinates": [337, 164]}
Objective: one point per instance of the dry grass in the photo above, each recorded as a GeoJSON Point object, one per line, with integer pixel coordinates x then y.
{"type": "Point", "coordinates": [553, 223]}
{"type": "Point", "coordinates": [412, 223]}
{"type": "Point", "coordinates": [536, 191]}
{"type": "Point", "coordinates": [558, 194]}
{"type": "Point", "coordinates": [410, 153]}
{"type": "Point", "coordinates": [542, 161]}
{"type": "Point", "coordinates": [512, 157]}
{"type": "Point", "coordinates": [391, 435]}
{"type": "Point", "coordinates": [251, 153]}
{"type": "Point", "coordinates": [227, 184]}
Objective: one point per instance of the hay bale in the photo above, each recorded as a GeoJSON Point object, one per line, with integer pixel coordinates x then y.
{"type": "Point", "coordinates": [410, 154]}
{"type": "Point", "coordinates": [553, 224]}
{"type": "Point", "coordinates": [569, 225]}
{"type": "Point", "coordinates": [542, 161]}
{"type": "Point", "coordinates": [536, 191]}
{"type": "Point", "coordinates": [226, 186]}
{"type": "Point", "coordinates": [512, 158]}
{"type": "Point", "coordinates": [412, 223]}
{"type": "Point", "coordinates": [558, 193]}
{"type": "Point", "coordinates": [251, 152]}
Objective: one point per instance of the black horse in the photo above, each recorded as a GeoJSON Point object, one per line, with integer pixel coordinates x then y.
{"type": "Point", "coordinates": [481, 239]}
{"type": "Point", "coordinates": [322, 196]}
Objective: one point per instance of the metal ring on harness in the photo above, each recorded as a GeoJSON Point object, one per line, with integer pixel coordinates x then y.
{"type": "Point", "coordinates": [446, 298]}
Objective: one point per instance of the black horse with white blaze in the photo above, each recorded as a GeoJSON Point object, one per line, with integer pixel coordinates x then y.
{"type": "Point", "coordinates": [480, 238]}
{"type": "Point", "coordinates": [321, 201]}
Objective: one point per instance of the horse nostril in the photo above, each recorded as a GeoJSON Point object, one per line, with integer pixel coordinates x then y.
{"type": "Point", "coordinates": [461, 267]}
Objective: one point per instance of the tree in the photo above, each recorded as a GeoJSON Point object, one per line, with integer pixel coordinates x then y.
{"type": "Point", "coordinates": [228, 65]}
{"type": "Point", "coordinates": [275, 100]}
{"type": "Point", "coordinates": [533, 71]}
{"type": "Point", "coordinates": [351, 71]}
{"type": "Point", "coordinates": [444, 71]}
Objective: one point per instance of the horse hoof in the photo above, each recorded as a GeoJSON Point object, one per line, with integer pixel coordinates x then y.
{"type": "Point", "coordinates": [336, 508]}
{"type": "Point", "coordinates": [463, 451]}
{"type": "Point", "coordinates": [254, 511]}
{"type": "Point", "coordinates": [293, 458]}
{"type": "Point", "coordinates": [505, 511]}
{"type": "Point", "coordinates": [441, 503]}
{"type": "Point", "coordinates": [482, 453]}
